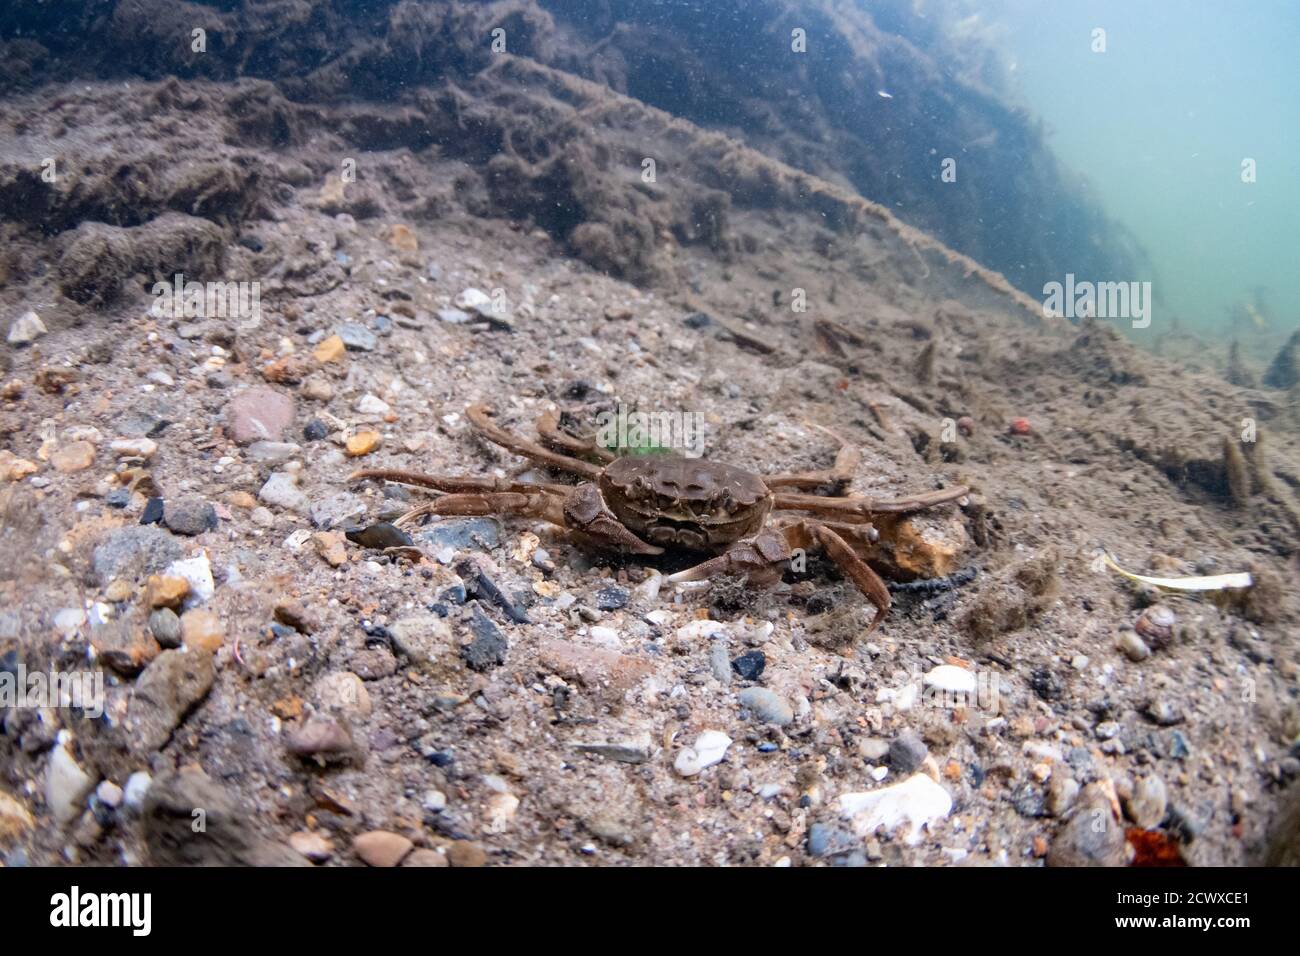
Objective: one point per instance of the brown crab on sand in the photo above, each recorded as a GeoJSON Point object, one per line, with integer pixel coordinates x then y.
{"type": "Point", "coordinates": [652, 503]}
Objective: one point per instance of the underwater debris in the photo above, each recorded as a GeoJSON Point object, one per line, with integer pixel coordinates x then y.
{"type": "Point", "coordinates": [1208, 582]}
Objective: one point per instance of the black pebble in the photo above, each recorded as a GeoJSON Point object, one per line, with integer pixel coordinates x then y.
{"type": "Point", "coordinates": [750, 665]}
{"type": "Point", "coordinates": [1045, 684]}
{"type": "Point", "coordinates": [315, 430]}
{"type": "Point", "coordinates": [697, 320]}
{"type": "Point", "coordinates": [611, 598]}
{"type": "Point", "coordinates": [118, 498]}
{"type": "Point", "coordinates": [455, 594]}
{"type": "Point", "coordinates": [381, 535]}
{"type": "Point", "coordinates": [252, 243]}
{"type": "Point", "coordinates": [153, 511]}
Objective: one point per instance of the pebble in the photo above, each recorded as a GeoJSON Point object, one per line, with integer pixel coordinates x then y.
{"type": "Point", "coordinates": [330, 349]}
{"type": "Point", "coordinates": [1062, 791]}
{"type": "Point", "coordinates": [133, 552]}
{"type": "Point", "coordinates": [1091, 836]}
{"type": "Point", "coordinates": [373, 405]}
{"type": "Point", "coordinates": [259, 414]}
{"type": "Point", "coordinates": [708, 749]}
{"type": "Point", "coordinates": [168, 689]}
{"type": "Point", "coordinates": [315, 430]}
{"type": "Point", "coordinates": [197, 572]}
{"type": "Point", "coordinates": [282, 490]}
{"type": "Point", "coordinates": [422, 638]}
{"type": "Point", "coordinates": [313, 846]}
{"type": "Point", "coordinates": [453, 316]}
{"type": "Point", "coordinates": [363, 443]}
{"type": "Point", "coordinates": [907, 751]}
{"type": "Point", "coordinates": [190, 516]}
{"type": "Point", "coordinates": [381, 848]}
{"type": "Point", "coordinates": [1133, 646]}
{"type": "Point", "coordinates": [915, 803]}
{"type": "Point", "coordinates": [165, 627]}
{"type": "Point", "coordinates": [322, 739]}
{"type": "Point", "coordinates": [73, 457]}
{"type": "Point", "coordinates": [153, 511]}
{"type": "Point", "coordinates": [27, 328]}
{"type": "Point", "coordinates": [488, 647]}
{"type": "Point", "coordinates": [109, 794]}
{"type": "Point", "coordinates": [767, 706]}
{"type": "Point", "coordinates": [164, 591]}
{"type": "Point", "coordinates": [118, 498]}
{"type": "Point", "coordinates": [133, 447]}
{"type": "Point", "coordinates": [951, 680]}
{"type": "Point", "coordinates": [719, 663]}
{"type": "Point", "coordinates": [750, 665]}
{"type": "Point", "coordinates": [202, 630]}
{"type": "Point", "coordinates": [136, 789]}
{"type": "Point", "coordinates": [626, 750]}
{"type": "Point", "coordinates": [464, 853]}
{"type": "Point", "coordinates": [343, 693]}
{"type": "Point", "coordinates": [1163, 711]}
{"type": "Point", "coordinates": [356, 337]}
{"type": "Point", "coordinates": [1147, 806]}
{"type": "Point", "coordinates": [330, 546]}
{"type": "Point", "coordinates": [611, 598]}
{"type": "Point", "coordinates": [66, 785]}
{"type": "Point", "coordinates": [272, 452]}
{"type": "Point", "coordinates": [380, 535]}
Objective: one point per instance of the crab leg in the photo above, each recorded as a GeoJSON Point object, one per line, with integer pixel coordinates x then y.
{"type": "Point", "coordinates": [761, 558]}
{"type": "Point", "coordinates": [548, 427]}
{"type": "Point", "coordinates": [481, 420]}
{"type": "Point", "coordinates": [855, 506]}
{"type": "Point", "coordinates": [841, 473]}
{"type": "Point", "coordinates": [461, 483]}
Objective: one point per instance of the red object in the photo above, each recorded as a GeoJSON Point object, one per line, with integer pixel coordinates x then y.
{"type": "Point", "coordinates": [1154, 848]}
{"type": "Point", "coordinates": [1020, 426]}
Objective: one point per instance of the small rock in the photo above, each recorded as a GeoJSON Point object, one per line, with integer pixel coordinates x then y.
{"type": "Point", "coordinates": [313, 846]}
{"type": "Point", "coordinates": [109, 794]}
{"type": "Point", "coordinates": [66, 785]}
{"type": "Point", "coordinates": [373, 406]}
{"type": "Point", "coordinates": [133, 447]}
{"type": "Point", "coordinates": [631, 750]}
{"type": "Point", "coordinates": [330, 546]}
{"type": "Point", "coordinates": [338, 509]}
{"type": "Point", "coordinates": [363, 443]}
{"type": "Point", "coordinates": [750, 665]}
{"type": "Point", "coordinates": [380, 535]}
{"type": "Point", "coordinates": [1147, 806]}
{"type": "Point", "coordinates": [915, 803]}
{"type": "Point", "coordinates": [328, 350]}
{"type": "Point", "coordinates": [422, 638]}
{"type": "Point", "coordinates": [165, 591]}
{"type": "Point", "coordinates": [272, 452]}
{"type": "Point", "coordinates": [1133, 646]}
{"type": "Point", "coordinates": [1092, 836]}
{"type": "Point", "coordinates": [190, 516]}
{"type": "Point", "coordinates": [322, 739]}
{"type": "Point", "coordinates": [767, 706]}
{"type": "Point", "coordinates": [1061, 794]}
{"type": "Point", "coordinates": [135, 791]}
{"type": "Point", "coordinates": [425, 857]}
{"type": "Point", "coordinates": [907, 751]}
{"type": "Point", "coordinates": [611, 598]}
{"type": "Point", "coordinates": [27, 328]}
{"type": "Point", "coordinates": [259, 414]}
{"type": "Point", "coordinates": [381, 848]}
{"type": "Point", "coordinates": [133, 552]}
{"type": "Point", "coordinates": [315, 430]}
{"type": "Point", "coordinates": [357, 338]}
{"type": "Point", "coordinates": [167, 690]}
{"type": "Point", "coordinates": [202, 630]}
{"type": "Point", "coordinates": [719, 663]}
{"type": "Point", "coordinates": [165, 627]}
{"type": "Point", "coordinates": [153, 511]}
{"type": "Point", "coordinates": [708, 749]}
{"type": "Point", "coordinates": [282, 491]}
{"type": "Point", "coordinates": [488, 647]}
{"type": "Point", "coordinates": [463, 853]}
{"type": "Point", "coordinates": [343, 693]}
{"type": "Point", "coordinates": [197, 572]}
{"type": "Point", "coordinates": [73, 457]}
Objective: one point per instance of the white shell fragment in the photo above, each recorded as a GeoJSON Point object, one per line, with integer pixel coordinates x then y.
{"type": "Point", "coordinates": [951, 679]}
{"type": "Point", "coordinates": [709, 748]}
{"type": "Point", "coordinates": [915, 803]}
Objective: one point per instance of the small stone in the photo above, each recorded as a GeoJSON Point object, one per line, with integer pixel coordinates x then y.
{"type": "Point", "coordinates": [915, 803]}
{"type": "Point", "coordinates": [133, 552]}
{"type": "Point", "coordinates": [750, 665]}
{"type": "Point", "coordinates": [167, 690]}
{"type": "Point", "coordinates": [1091, 836]}
{"type": "Point", "coordinates": [1149, 802]}
{"type": "Point", "coordinates": [282, 491]}
{"type": "Point", "coordinates": [461, 534]}
{"type": "Point", "coordinates": [1133, 646]}
{"type": "Point", "coordinates": [13, 468]}
{"type": "Point", "coordinates": [631, 750]}
{"type": "Point", "coordinates": [767, 706]}
{"type": "Point", "coordinates": [708, 749]}
{"type": "Point", "coordinates": [165, 627]}
{"type": "Point", "coordinates": [202, 630]}
{"type": "Point", "coordinates": [422, 638]}
{"type": "Point", "coordinates": [315, 430]}
{"type": "Point", "coordinates": [317, 389]}
{"type": "Point", "coordinates": [453, 316]}
{"type": "Point", "coordinates": [322, 739]}
{"type": "Point", "coordinates": [190, 516]}
{"type": "Point", "coordinates": [328, 350]}
{"type": "Point", "coordinates": [27, 328]}
{"type": "Point", "coordinates": [719, 663]}
{"type": "Point", "coordinates": [380, 535]}
{"type": "Point", "coordinates": [119, 591]}
{"type": "Point", "coordinates": [133, 447]}
{"type": "Point", "coordinates": [381, 848]}
{"type": "Point", "coordinates": [313, 846]}
{"type": "Point", "coordinates": [357, 338]}
{"type": "Point", "coordinates": [164, 591]}
{"type": "Point", "coordinates": [1062, 791]}
{"type": "Point", "coordinates": [488, 647]}
{"type": "Point", "coordinates": [259, 414]}
{"type": "Point", "coordinates": [611, 598]}
{"type": "Point", "coordinates": [118, 498]}
{"type": "Point", "coordinates": [907, 751]}
{"type": "Point", "coordinates": [373, 406]}
{"type": "Point", "coordinates": [330, 546]}
{"type": "Point", "coordinates": [272, 451]}
{"type": "Point", "coordinates": [1163, 711]}
{"type": "Point", "coordinates": [197, 572]}
{"type": "Point", "coordinates": [136, 789]}
{"type": "Point", "coordinates": [343, 693]}
{"type": "Point", "coordinates": [73, 457]}
{"type": "Point", "coordinates": [463, 853]}
{"type": "Point", "coordinates": [363, 443]}
{"type": "Point", "coordinates": [242, 500]}
{"type": "Point", "coordinates": [66, 785]}
{"type": "Point", "coordinates": [109, 794]}
{"type": "Point", "coordinates": [153, 511]}
{"type": "Point", "coordinates": [952, 680]}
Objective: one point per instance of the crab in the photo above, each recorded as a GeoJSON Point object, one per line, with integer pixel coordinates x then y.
{"type": "Point", "coordinates": [650, 504]}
